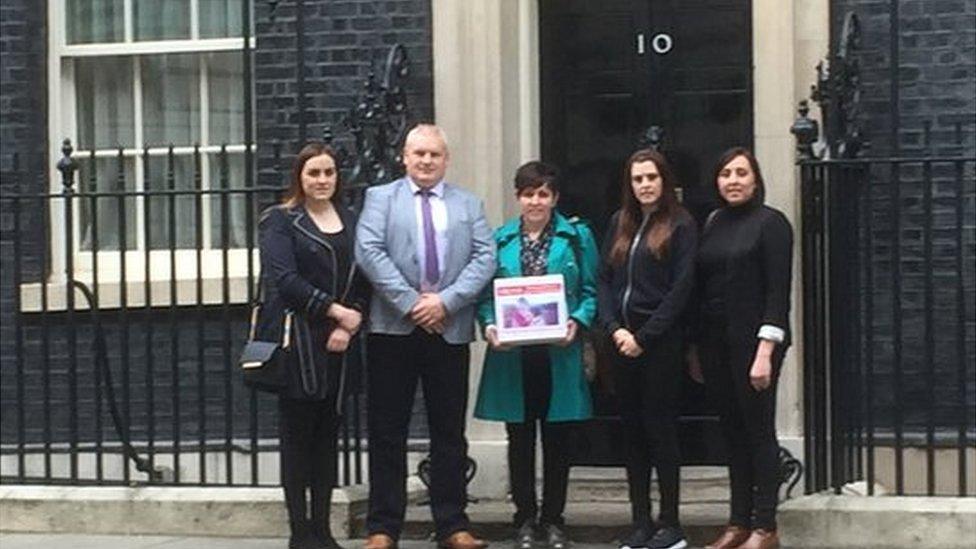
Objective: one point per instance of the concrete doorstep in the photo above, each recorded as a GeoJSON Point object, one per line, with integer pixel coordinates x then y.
{"type": "Point", "coordinates": [604, 522]}
{"type": "Point", "coordinates": [260, 513]}
{"type": "Point", "coordinates": [842, 521]}
{"type": "Point", "coordinates": [151, 510]}
{"type": "Point", "coordinates": [817, 521]}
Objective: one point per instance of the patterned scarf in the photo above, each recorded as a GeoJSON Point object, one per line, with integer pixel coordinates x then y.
{"type": "Point", "coordinates": [535, 253]}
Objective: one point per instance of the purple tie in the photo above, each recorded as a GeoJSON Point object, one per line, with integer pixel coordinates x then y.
{"type": "Point", "coordinates": [431, 269]}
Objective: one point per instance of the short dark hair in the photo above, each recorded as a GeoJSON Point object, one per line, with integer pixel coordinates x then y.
{"type": "Point", "coordinates": [535, 174]}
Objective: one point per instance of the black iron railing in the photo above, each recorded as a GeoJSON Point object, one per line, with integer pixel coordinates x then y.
{"type": "Point", "coordinates": [888, 261]}
{"type": "Point", "coordinates": [125, 295]}
{"type": "Point", "coordinates": [124, 363]}
{"type": "Point", "coordinates": [888, 350]}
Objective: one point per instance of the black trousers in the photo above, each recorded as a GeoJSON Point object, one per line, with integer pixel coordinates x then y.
{"type": "Point", "coordinates": [649, 388]}
{"type": "Point", "coordinates": [307, 431]}
{"type": "Point", "coordinates": [395, 365]}
{"type": "Point", "coordinates": [537, 390]}
{"type": "Point", "coordinates": [749, 425]}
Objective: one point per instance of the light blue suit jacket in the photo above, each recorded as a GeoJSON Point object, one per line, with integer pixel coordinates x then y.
{"type": "Point", "coordinates": [386, 251]}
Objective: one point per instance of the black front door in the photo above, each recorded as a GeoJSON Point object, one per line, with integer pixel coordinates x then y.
{"type": "Point", "coordinates": [611, 69]}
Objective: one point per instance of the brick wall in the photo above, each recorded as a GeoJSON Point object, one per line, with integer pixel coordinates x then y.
{"type": "Point", "coordinates": [936, 86]}
{"type": "Point", "coordinates": [199, 370]}
{"type": "Point", "coordinates": [936, 73]}
{"type": "Point", "coordinates": [23, 124]}
{"type": "Point", "coordinates": [344, 39]}
{"type": "Point", "coordinates": [23, 142]}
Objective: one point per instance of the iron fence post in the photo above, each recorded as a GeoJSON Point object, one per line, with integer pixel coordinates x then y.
{"type": "Point", "coordinates": [67, 166]}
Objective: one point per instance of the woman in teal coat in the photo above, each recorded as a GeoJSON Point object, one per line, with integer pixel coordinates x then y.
{"type": "Point", "coordinates": [542, 384]}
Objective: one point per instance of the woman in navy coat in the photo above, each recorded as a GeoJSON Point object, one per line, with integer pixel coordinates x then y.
{"type": "Point", "coordinates": [315, 294]}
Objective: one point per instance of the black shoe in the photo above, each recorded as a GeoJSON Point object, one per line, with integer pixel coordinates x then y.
{"type": "Point", "coordinates": [525, 537]}
{"type": "Point", "coordinates": [301, 536]}
{"type": "Point", "coordinates": [668, 537]}
{"type": "Point", "coordinates": [638, 538]}
{"type": "Point", "coordinates": [556, 538]}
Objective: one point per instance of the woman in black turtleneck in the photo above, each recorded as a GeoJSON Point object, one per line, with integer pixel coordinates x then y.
{"type": "Point", "coordinates": [743, 273]}
{"type": "Point", "coordinates": [645, 278]}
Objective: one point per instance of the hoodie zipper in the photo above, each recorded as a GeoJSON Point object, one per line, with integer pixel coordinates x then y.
{"type": "Point", "coordinates": [630, 270]}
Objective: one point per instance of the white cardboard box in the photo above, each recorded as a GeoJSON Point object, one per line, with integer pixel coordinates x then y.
{"type": "Point", "coordinates": [530, 309]}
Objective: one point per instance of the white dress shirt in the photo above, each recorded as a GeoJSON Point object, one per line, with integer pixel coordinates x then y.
{"type": "Point", "coordinates": [438, 210]}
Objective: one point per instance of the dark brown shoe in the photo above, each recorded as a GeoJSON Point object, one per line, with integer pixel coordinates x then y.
{"type": "Point", "coordinates": [761, 539]}
{"type": "Point", "coordinates": [732, 537]}
{"type": "Point", "coordinates": [462, 540]}
{"type": "Point", "coordinates": [380, 541]}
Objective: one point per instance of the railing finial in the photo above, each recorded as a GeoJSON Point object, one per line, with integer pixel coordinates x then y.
{"type": "Point", "coordinates": [806, 131]}
{"type": "Point", "coordinates": [67, 166]}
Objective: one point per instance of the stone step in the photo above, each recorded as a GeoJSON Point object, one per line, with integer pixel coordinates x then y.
{"type": "Point", "coordinates": [586, 522]}
{"type": "Point", "coordinates": [597, 484]}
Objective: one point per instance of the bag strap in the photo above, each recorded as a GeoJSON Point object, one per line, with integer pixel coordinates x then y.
{"type": "Point", "coordinates": [256, 306]}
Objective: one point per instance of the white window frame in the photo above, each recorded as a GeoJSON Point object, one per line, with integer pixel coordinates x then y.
{"type": "Point", "coordinates": [62, 123]}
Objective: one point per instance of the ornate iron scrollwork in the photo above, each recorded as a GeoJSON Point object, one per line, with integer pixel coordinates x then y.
{"type": "Point", "coordinates": [838, 92]}
{"type": "Point", "coordinates": [470, 470]}
{"type": "Point", "coordinates": [790, 471]}
{"type": "Point", "coordinates": [272, 10]}
{"type": "Point", "coordinates": [378, 122]}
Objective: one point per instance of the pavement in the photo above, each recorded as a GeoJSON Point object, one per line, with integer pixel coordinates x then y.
{"type": "Point", "coordinates": [66, 541]}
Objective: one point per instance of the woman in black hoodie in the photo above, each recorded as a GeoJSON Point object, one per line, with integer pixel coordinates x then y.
{"type": "Point", "coordinates": [646, 276]}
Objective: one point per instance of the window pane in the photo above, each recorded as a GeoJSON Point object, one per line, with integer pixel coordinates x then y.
{"type": "Point", "coordinates": [170, 99]}
{"type": "Point", "coordinates": [229, 175]}
{"type": "Point", "coordinates": [103, 93]}
{"type": "Point", "coordinates": [90, 21]}
{"type": "Point", "coordinates": [161, 19]}
{"type": "Point", "coordinates": [184, 218]}
{"type": "Point", "coordinates": [105, 219]}
{"type": "Point", "coordinates": [220, 18]}
{"type": "Point", "coordinates": [226, 93]}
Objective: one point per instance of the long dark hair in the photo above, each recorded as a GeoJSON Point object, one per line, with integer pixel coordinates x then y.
{"type": "Point", "coordinates": [661, 224]}
{"type": "Point", "coordinates": [295, 195]}
{"type": "Point", "coordinates": [759, 196]}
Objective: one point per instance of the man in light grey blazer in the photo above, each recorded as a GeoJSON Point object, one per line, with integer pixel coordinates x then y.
{"type": "Point", "coordinates": [427, 249]}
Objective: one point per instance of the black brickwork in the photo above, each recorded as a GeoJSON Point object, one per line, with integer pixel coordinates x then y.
{"type": "Point", "coordinates": [23, 126]}
{"type": "Point", "coordinates": [144, 391]}
{"type": "Point", "coordinates": [936, 73]}
{"type": "Point", "coordinates": [936, 88]}
{"type": "Point", "coordinates": [23, 142]}
{"type": "Point", "coordinates": [343, 41]}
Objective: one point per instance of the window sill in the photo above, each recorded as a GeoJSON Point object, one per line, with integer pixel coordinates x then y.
{"type": "Point", "coordinates": [137, 294]}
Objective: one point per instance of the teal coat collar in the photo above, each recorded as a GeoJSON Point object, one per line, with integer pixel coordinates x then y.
{"type": "Point", "coordinates": [513, 228]}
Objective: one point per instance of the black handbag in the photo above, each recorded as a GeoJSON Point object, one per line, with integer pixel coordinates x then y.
{"type": "Point", "coordinates": [264, 363]}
